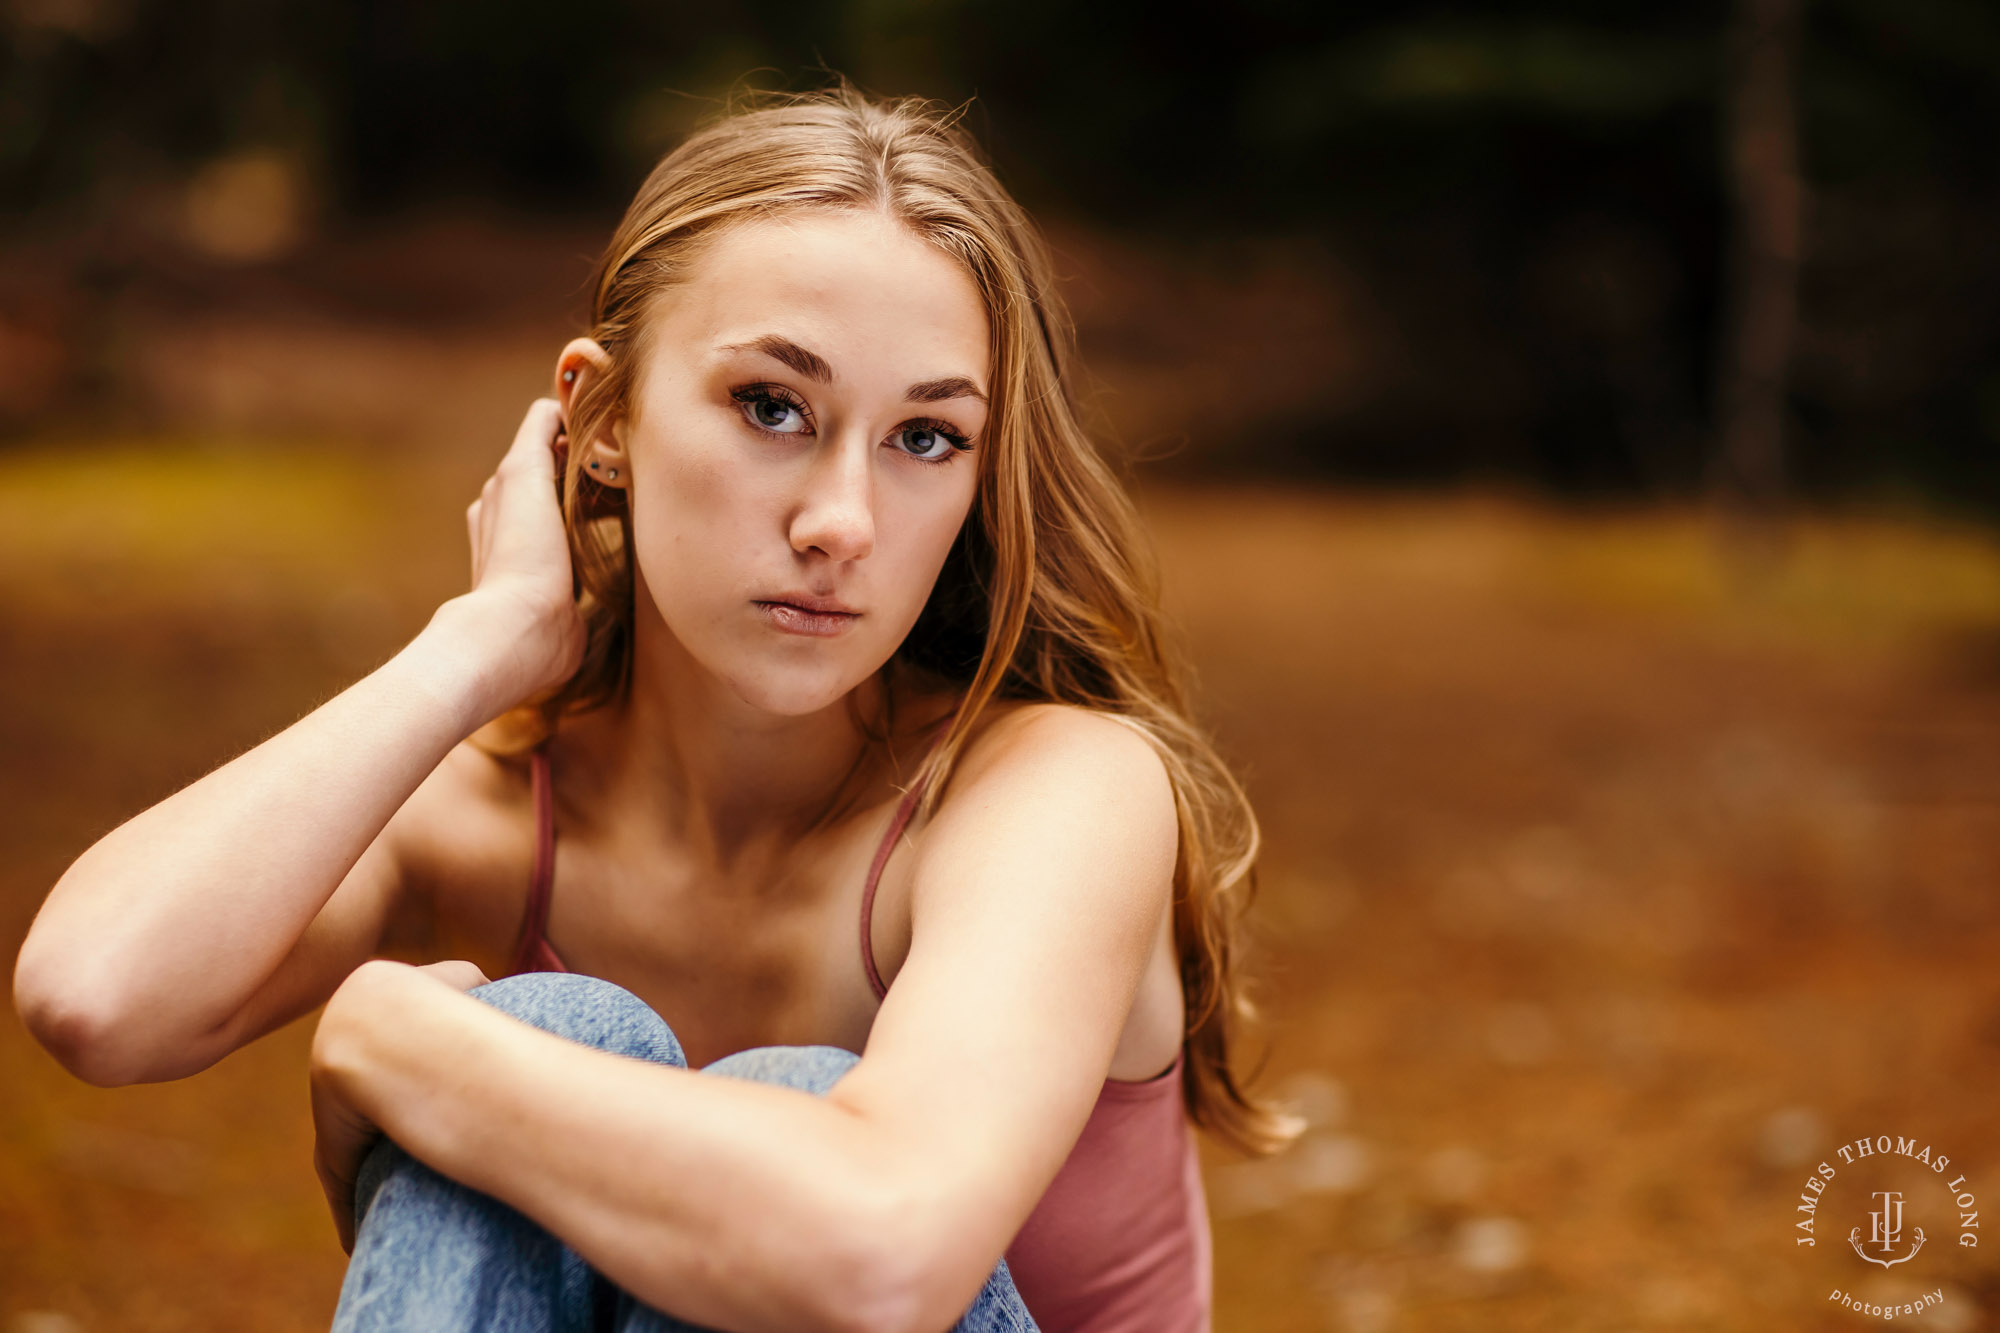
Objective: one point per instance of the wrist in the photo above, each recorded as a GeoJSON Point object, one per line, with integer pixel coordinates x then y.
{"type": "Point", "coordinates": [337, 1049]}
{"type": "Point", "coordinates": [475, 653]}
{"type": "Point", "coordinates": [377, 1000]}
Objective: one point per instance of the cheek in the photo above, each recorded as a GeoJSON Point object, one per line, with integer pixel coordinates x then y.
{"type": "Point", "coordinates": [914, 550]}
{"type": "Point", "coordinates": [691, 521]}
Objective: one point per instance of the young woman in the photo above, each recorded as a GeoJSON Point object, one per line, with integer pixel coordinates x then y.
{"type": "Point", "coordinates": [805, 605]}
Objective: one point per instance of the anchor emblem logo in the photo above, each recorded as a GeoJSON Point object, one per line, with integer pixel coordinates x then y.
{"type": "Point", "coordinates": [1886, 1228]}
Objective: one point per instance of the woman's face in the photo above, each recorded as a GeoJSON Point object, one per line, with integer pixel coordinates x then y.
{"type": "Point", "coordinates": [800, 450]}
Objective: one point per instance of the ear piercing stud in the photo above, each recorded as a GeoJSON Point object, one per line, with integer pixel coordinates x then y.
{"type": "Point", "coordinates": [594, 465]}
{"type": "Point", "coordinates": [614, 474]}
{"type": "Point", "coordinates": [569, 377]}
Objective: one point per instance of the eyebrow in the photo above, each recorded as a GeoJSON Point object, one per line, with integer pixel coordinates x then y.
{"type": "Point", "coordinates": [780, 348]}
{"type": "Point", "coordinates": [950, 386]}
{"type": "Point", "coordinates": [814, 367]}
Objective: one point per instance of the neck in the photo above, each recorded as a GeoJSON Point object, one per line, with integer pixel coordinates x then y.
{"type": "Point", "coordinates": [687, 755]}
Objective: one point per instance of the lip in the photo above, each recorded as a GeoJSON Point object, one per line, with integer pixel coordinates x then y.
{"type": "Point", "coordinates": [816, 617]}
{"type": "Point", "coordinates": [806, 601]}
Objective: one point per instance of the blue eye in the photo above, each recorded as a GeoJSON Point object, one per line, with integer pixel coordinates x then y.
{"type": "Point", "coordinates": [770, 408]}
{"type": "Point", "coordinates": [929, 441]}
{"type": "Point", "coordinates": [776, 410]}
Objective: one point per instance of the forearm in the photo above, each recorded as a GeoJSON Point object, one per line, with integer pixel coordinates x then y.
{"type": "Point", "coordinates": [166, 925]}
{"type": "Point", "coordinates": [729, 1203]}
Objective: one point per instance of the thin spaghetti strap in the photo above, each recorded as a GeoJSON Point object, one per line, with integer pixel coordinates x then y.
{"type": "Point", "coordinates": [904, 809]}
{"type": "Point", "coordinates": [534, 921]}
{"type": "Point", "coordinates": [901, 820]}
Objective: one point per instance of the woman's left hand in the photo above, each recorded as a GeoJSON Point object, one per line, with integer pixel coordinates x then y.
{"type": "Point", "coordinates": [342, 1135]}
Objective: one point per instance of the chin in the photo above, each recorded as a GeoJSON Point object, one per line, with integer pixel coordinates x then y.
{"type": "Point", "coordinates": [797, 689]}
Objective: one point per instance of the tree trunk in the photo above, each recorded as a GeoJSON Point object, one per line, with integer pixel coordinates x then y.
{"type": "Point", "coordinates": [1761, 140]}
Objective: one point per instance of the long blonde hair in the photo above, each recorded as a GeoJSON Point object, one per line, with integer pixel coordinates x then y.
{"type": "Point", "coordinates": [1049, 592]}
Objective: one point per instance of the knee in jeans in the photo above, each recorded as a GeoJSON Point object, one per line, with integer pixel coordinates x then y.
{"type": "Point", "coordinates": [813, 1069]}
{"type": "Point", "coordinates": [585, 1009]}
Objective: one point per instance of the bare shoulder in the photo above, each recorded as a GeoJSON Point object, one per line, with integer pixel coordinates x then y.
{"type": "Point", "coordinates": [1066, 747]}
{"type": "Point", "coordinates": [1033, 768]}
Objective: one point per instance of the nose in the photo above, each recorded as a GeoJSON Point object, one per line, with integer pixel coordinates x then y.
{"type": "Point", "coordinates": [836, 515]}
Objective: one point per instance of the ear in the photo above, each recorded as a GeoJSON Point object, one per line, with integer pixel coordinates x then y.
{"type": "Point", "coordinates": [603, 459]}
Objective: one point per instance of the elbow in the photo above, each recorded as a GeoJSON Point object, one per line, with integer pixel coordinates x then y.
{"type": "Point", "coordinates": [882, 1296]}
{"type": "Point", "coordinates": [76, 1036]}
{"type": "Point", "coordinates": [906, 1278]}
{"type": "Point", "coordinates": [883, 1307]}
{"type": "Point", "coordinates": [71, 1022]}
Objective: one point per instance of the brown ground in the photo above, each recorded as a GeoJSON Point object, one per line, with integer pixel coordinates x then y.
{"type": "Point", "coordinates": [1605, 893]}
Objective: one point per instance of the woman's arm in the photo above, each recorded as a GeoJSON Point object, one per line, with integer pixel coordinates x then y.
{"type": "Point", "coordinates": [145, 959]}
{"type": "Point", "coordinates": [885, 1204]}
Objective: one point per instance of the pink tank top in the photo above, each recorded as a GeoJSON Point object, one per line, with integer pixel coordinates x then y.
{"type": "Point", "coordinates": [1119, 1242]}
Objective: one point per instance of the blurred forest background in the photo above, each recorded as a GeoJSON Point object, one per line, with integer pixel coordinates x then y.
{"type": "Point", "coordinates": [1572, 437]}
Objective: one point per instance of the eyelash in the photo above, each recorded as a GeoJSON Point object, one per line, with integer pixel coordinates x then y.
{"type": "Point", "coordinates": [776, 393]}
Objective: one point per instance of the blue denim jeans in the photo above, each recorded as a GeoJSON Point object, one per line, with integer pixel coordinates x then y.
{"type": "Point", "coordinates": [432, 1255]}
